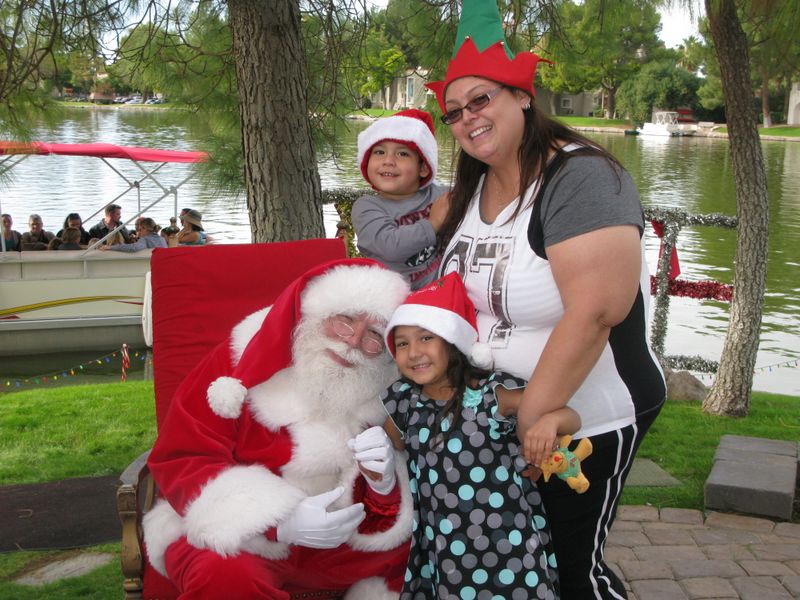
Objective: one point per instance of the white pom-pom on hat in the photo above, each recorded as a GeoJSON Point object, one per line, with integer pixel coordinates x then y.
{"type": "Point", "coordinates": [226, 396]}
{"type": "Point", "coordinates": [481, 356]}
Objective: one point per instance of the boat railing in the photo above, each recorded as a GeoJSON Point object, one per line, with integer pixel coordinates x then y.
{"type": "Point", "coordinates": [668, 223]}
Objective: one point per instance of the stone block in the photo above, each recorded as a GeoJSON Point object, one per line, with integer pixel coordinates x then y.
{"type": "Point", "coordinates": [658, 589]}
{"type": "Point", "coordinates": [739, 522]}
{"type": "Point", "coordinates": [760, 445]}
{"type": "Point", "coordinates": [688, 569]}
{"type": "Point", "coordinates": [767, 490]}
{"type": "Point", "coordinates": [637, 513]}
{"type": "Point", "coordinates": [684, 516]}
{"type": "Point", "coordinates": [709, 587]}
{"type": "Point", "coordinates": [759, 588]}
{"type": "Point", "coordinates": [772, 568]}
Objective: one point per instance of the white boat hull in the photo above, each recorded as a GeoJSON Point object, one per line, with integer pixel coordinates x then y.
{"type": "Point", "coordinates": [55, 301]}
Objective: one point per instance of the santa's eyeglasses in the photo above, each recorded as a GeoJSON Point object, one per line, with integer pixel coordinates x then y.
{"type": "Point", "coordinates": [371, 341]}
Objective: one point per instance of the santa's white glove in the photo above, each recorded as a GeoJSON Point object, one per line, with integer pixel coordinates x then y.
{"type": "Point", "coordinates": [311, 524]}
{"type": "Point", "coordinates": [373, 450]}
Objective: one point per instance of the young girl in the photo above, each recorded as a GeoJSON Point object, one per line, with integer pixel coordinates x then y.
{"type": "Point", "coordinates": [479, 525]}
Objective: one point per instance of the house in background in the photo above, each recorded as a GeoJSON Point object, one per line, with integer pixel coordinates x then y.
{"type": "Point", "coordinates": [793, 110]}
{"type": "Point", "coordinates": [409, 91]}
{"type": "Point", "coordinates": [566, 105]}
{"type": "Point", "coordinates": [405, 91]}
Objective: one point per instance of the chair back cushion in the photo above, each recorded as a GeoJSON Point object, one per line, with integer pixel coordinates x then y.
{"type": "Point", "coordinates": [199, 293]}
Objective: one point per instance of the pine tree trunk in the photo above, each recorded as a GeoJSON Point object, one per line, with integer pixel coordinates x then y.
{"type": "Point", "coordinates": [730, 393]}
{"type": "Point", "coordinates": [281, 176]}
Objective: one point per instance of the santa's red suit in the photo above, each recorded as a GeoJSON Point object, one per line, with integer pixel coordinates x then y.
{"type": "Point", "coordinates": [241, 447]}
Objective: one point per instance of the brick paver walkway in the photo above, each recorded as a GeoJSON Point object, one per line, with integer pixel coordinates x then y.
{"type": "Point", "coordinates": [678, 554]}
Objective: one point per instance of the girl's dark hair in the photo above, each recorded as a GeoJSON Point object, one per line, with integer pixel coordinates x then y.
{"type": "Point", "coordinates": [541, 135]}
{"type": "Point", "coordinates": [459, 374]}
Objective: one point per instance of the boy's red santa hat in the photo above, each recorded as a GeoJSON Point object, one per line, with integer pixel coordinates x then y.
{"type": "Point", "coordinates": [345, 286]}
{"type": "Point", "coordinates": [411, 127]}
{"type": "Point", "coordinates": [444, 309]}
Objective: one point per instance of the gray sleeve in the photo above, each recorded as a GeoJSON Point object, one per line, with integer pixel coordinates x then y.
{"type": "Point", "coordinates": [380, 237]}
{"type": "Point", "coordinates": [588, 194]}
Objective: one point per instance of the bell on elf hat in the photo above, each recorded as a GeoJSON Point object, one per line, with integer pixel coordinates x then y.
{"type": "Point", "coordinates": [481, 51]}
{"type": "Point", "coordinates": [443, 308]}
{"type": "Point", "coordinates": [412, 127]}
{"type": "Point", "coordinates": [345, 286]}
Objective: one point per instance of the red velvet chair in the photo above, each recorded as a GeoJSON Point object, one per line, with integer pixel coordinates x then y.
{"type": "Point", "coordinates": [198, 295]}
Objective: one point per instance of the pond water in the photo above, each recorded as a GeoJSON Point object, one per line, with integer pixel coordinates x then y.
{"type": "Point", "coordinates": [692, 174]}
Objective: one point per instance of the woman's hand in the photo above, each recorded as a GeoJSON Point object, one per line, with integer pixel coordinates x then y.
{"type": "Point", "coordinates": [439, 210]}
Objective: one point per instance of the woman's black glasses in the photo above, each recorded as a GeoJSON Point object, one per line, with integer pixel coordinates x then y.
{"type": "Point", "coordinates": [477, 104]}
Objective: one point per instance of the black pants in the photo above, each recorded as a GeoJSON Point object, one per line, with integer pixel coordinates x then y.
{"type": "Point", "coordinates": [580, 522]}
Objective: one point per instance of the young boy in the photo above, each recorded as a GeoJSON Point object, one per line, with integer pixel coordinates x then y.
{"type": "Point", "coordinates": [398, 157]}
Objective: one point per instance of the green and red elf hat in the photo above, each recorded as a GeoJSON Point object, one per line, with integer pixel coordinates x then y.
{"type": "Point", "coordinates": [481, 51]}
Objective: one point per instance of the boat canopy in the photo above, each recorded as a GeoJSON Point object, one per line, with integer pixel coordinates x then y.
{"type": "Point", "coordinates": [101, 150]}
{"type": "Point", "coordinates": [12, 153]}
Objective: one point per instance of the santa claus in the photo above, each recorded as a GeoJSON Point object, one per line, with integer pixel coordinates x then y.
{"type": "Point", "coordinates": [259, 459]}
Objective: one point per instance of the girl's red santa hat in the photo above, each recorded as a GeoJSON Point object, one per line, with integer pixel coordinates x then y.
{"type": "Point", "coordinates": [444, 309]}
{"type": "Point", "coordinates": [346, 286]}
{"type": "Point", "coordinates": [411, 127]}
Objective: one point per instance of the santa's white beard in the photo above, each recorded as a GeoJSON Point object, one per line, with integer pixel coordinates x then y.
{"type": "Point", "coordinates": [329, 387]}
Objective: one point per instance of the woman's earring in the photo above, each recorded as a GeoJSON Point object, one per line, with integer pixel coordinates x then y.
{"type": "Point", "coordinates": [526, 106]}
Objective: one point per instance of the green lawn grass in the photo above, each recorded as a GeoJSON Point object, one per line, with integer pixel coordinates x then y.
{"type": "Point", "coordinates": [779, 130]}
{"type": "Point", "coordinates": [56, 433]}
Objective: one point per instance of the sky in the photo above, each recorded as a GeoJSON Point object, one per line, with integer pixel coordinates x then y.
{"type": "Point", "coordinates": [676, 24]}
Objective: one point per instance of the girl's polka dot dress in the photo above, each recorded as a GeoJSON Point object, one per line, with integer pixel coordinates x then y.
{"type": "Point", "coordinates": [479, 529]}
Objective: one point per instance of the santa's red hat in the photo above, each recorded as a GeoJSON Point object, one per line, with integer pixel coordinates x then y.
{"type": "Point", "coordinates": [443, 308]}
{"type": "Point", "coordinates": [412, 127]}
{"type": "Point", "coordinates": [345, 286]}
{"type": "Point", "coordinates": [481, 51]}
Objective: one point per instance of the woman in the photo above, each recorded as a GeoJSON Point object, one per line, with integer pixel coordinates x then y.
{"type": "Point", "coordinates": [570, 316]}
{"type": "Point", "coordinates": [74, 220]}
{"type": "Point", "coordinates": [11, 238]}
{"type": "Point", "coordinates": [191, 233]}
{"type": "Point", "coordinates": [146, 237]}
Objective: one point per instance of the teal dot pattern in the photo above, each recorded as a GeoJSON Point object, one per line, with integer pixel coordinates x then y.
{"type": "Point", "coordinates": [480, 531]}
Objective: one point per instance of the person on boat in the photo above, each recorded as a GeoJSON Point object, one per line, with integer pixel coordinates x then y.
{"type": "Point", "coordinates": [112, 220]}
{"type": "Point", "coordinates": [68, 240]}
{"type": "Point", "coordinates": [261, 495]}
{"type": "Point", "coordinates": [398, 157]}
{"type": "Point", "coordinates": [545, 227]}
{"type": "Point", "coordinates": [11, 238]}
{"type": "Point", "coordinates": [74, 220]}
{"type": "Point", "coordinates": [192, 232]}
{"type": "Point", "coordinates": [146, 237]}
{"type": "Point", "coordinates": [37, 238]}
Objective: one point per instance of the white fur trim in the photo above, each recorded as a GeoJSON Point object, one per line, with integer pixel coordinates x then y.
{"type": "Point", "coordinates": [352, 289]}
{"type": "Point", "coordinates": [239, 504]}
{"type": "Point", "coordinates": [445, 323]}
{"type": "Point", "coordinates": [481, 356]}
{"type": "Point", "coordinates": [244, 332]}
{"type": "Point", "coordinates": [260, 546]}
{"type": "Point", "coordinates": [162, 526]}
{"type": "Point", "coordinates": [372, 588]}
{"type": "Point", "coordinates": [401, 129]}
{"type": "Point", "coordinates": [225, 397]}
{"type": "Point", "coordinates": [400, 531]}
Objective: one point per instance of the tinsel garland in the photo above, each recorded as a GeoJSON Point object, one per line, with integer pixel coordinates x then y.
{"type": "Point", "coordinates": [690, 363]}
{"type": "Point", "coordinates": [662, 286]}
{"type": "Point", "coordinates": [702, 290]}
{"type": "Point", "coordinates": [342, 200]}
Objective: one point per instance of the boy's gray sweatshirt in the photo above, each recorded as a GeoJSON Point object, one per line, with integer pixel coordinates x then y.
{"type": "Point", "coordinates": [398, 233]}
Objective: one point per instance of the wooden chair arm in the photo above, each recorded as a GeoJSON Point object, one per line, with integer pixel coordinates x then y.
{"type": "Point", "coordinates": [134, 498]}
